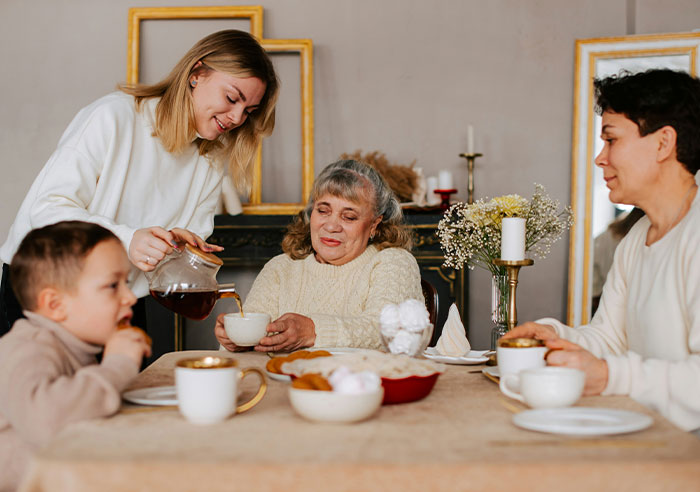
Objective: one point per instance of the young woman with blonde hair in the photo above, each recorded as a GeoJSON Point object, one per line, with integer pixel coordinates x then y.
{"type": "Point", "coordinates": [147, 161]}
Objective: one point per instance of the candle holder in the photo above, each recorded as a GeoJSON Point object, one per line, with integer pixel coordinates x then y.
{"type": "Point", "coordinates": [445, 195]}
{"type": "Point", "coordinates": [512, 268]}
{"type": "Point", "coordinates": [470, 174]}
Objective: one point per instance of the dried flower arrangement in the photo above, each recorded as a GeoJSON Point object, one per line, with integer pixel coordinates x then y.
{"type": "Point", "coordinates": [470, 235]}
{"type": "Point", "coordinates": [401, 179]}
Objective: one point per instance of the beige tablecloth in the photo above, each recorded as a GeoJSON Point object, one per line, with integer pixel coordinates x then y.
{"type": "Point", "coordinates": [458, 438]}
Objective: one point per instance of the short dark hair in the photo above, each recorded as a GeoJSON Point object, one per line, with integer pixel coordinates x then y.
{"type": "Point", "coordinates": [53, 256]}
{"type": "Point", "coordinates": [654, 99]}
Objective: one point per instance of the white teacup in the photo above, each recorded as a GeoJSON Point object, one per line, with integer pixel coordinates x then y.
{"type": "Point", "coordinates": [517, 354]}
{"type": "Point", "coordinates": [207, 388]}
{"type": "Point", "coordinates": [545, 387]}
{"type": "Point", "coordinates": [246, 331]}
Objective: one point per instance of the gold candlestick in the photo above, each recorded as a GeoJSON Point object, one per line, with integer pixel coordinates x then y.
{"type": "Point", "coordinates": [513, 268]}
{"type": "Point", "coordinates": [470, 170]}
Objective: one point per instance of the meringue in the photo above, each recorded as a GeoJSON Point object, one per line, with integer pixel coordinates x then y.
{"type": "Point", "coordinates": [343, 380]}
{"type": "Point", "coordinates": [389, 320]}
{"type": "Point", "coordinates": [453, 340]}
{"type": "Point", "coordinates": [413, 315]}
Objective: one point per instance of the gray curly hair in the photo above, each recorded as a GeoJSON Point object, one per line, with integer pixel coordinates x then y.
{"type": "Point", "coordinates": [354, 181]}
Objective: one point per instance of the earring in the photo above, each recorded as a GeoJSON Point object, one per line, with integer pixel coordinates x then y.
{"type": "Point", "coordinates": [371, 237]}
{"type": "Point", "coordinates": [193, 83]}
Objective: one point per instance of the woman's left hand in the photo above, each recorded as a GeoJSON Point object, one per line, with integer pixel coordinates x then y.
{"type": "Point", "coordinates": [185, 236]}
{"type": "Point", "coordinates": [291, 331]}
{"type": "Point", "coordinates": [568, 354]}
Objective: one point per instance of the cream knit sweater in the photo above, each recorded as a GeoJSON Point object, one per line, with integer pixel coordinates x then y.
{"type": "Point", "coordinates": [344, 301]}
{"type": "Point", "coordinates": [647, 326]}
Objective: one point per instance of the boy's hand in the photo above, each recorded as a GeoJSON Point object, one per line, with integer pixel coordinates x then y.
{"type": "Point", "coordinates": [130, 342]}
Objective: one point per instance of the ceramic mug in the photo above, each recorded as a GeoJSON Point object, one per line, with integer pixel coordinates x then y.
{"type": "Point", "coordinates": [246, 331]}
{"type": "Point", "coordinates": [545, 387]}
{"type": "Point", "coordinates": [517, 354]}
{"type": "Point", "coordinates": [207, 388]}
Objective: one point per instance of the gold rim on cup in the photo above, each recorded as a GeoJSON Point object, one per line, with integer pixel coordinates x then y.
{"type": "Point", "coordinates": [520, 343]}
{"type": "Point", "coordinates": [207, 362]}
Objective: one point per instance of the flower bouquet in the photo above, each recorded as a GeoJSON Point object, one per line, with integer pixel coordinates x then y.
{"type": "Point", "coordinates": [470, 235]}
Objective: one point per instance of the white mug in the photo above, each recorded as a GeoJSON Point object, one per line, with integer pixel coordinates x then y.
{"type": "Point", "coordinates": [545, 387]}
{"type": "Point", "coordinates": [517, 354]}
{"type": "Point", "coordinates": [207, 388]}
{"type": "Point", "coordinates": [246, 331]}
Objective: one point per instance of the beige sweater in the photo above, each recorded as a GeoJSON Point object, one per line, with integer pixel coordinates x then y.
{"type": "Point", "coordinates": [648, 324]}
{"type": "Point", "coordinates": [49, 379]}
{"type": "Point", "coordinates": [344, 301]}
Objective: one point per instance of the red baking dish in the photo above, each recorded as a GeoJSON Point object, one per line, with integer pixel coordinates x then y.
{"type": "Point", "coordinates": [408, 389]}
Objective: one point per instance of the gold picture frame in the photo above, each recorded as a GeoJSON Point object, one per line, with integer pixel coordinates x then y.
{"type": "Point", "coordinates": [304, 47]}
{"type": "Point", "coordinates": [601, 57]}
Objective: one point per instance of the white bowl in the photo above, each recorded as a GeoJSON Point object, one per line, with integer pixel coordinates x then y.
{"type": "Point", "coordinates": [330, 406]}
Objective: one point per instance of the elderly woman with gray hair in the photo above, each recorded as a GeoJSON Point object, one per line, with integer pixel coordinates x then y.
{"type": "Point", "coordinates": [346, 255]}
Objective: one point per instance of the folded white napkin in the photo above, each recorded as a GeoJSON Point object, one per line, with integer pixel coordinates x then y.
{"type": "Point", "coordinates": [453, 340]}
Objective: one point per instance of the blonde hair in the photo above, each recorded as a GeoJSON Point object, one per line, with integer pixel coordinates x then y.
{"type": "Point", "coordinates": [355, 181]}
{"type": "Point", "coordinates": [233, 52]}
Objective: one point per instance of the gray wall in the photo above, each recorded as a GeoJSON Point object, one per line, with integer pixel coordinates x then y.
{"type": "Point", "coordinates": [402, 76]}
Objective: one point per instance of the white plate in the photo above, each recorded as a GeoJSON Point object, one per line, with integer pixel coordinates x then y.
{"type": "Point", "coordinates": [158, 396]}
{"type": "Point", "coordinates": [473, 357]}
{"type": "Point", "coordinates": [491, 371]}
{"type": "Point", "coordinates": [582, 421]}
{"type": "Point", "coordinates": [278, 377]}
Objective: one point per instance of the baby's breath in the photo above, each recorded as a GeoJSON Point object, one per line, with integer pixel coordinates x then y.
{"type": "Point", "coordinates": [470, 235]}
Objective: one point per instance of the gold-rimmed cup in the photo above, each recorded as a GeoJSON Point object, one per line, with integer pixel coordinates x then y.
{"type": "Point", "coordinates": [207, 388]}
{"type": "Point", "coordinates": [517, 354]}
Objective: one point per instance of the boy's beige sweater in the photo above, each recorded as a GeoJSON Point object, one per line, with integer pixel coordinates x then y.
{"type": "Point", "coordinates": [49, 379]}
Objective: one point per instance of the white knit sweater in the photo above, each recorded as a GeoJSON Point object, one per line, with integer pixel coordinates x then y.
{"type": "Point", "coordinates": [344, 301]}
{"type": "Point", "coordinates": [109, 169]}
{"type": "Point", "coordinates": [647, 326]}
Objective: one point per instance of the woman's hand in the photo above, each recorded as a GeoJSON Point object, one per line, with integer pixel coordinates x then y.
{"type": "Point", "coordinates": [293, 331]}
{"type": "Point", "coordinates": [185, 236]}
{"type": "Point", "coordinates": [149, 246]}
{"type": "Point", "coordinates": [532, 330]}
{"type": "Point", "coordinates": [568, 354]}
{"type": "Point", "coordinates": [222, 337]}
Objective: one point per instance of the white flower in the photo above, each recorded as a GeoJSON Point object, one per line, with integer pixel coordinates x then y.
{"type": "Point", "coordinates": [389, 320]}
{"type": "Point", "coordinates": [414, 316]}
{"type": "Point", "coordinates": [402, 342]}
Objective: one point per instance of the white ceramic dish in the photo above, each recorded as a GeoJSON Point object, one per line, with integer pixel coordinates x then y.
{"type": "Point", "coordinates": [156, 396]}
{"type": "Point", "coordinates": [491, 371]}
{"type": "Point", "coordinates": [473, 357]}
{"type": "Point", "coordinates": [329, 406]}
{"type": "Point", "coordinates": [278, 377]}
{"type": "Point", "coordinates": [582, 421]}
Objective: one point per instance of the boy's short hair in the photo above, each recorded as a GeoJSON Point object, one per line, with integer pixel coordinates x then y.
{"type": "Point", "coordinates": [53, 256]}
{"type": "Point", "coordinates": [654, 99]}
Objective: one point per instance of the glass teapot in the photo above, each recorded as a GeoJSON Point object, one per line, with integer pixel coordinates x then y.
{"type": "Point", "coordinates": [185, 282]}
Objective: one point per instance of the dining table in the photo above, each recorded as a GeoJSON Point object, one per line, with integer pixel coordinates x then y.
{"type": "Point", "coordinates": [461, 437]}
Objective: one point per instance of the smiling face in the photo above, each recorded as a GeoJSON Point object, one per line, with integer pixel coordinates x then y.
{"type": "Point", "coordinates": [101, 298]}
{"type": "Point", "coordinates": [628, 160]}
{"type": "Point", "coordinates": [340, 228]}
{"type": "Point", "coordinates": [223, 102]}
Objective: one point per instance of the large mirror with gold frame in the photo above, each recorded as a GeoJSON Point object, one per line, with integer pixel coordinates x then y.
{"type": "Point", "coordinates": [593, 211]}
{"type": "Point", "coordinates": [301, 47]}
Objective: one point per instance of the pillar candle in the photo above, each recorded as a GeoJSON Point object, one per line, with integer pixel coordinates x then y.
{"type": "Point", "coordinates": [513, 239]}
{"type": "Point", "coordinates": [445, 180]}
{"type": "Point", "coordinates": [470, 139]}
{"type": "Point", "coordinates": [431, 184]}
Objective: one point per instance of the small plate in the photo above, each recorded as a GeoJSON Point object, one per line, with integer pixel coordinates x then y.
{"type": "Point", "coordinates": [157, 396]}
{"type": "Point", "coordinates": [582, 421]}
{"type": "Point", "coordinates": [491, 371]}
{"type": "Point", "coordinates": [473, 357]}
{"type": "Point", "coordinates": [278, 377]}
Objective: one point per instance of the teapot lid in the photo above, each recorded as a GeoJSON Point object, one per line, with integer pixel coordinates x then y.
{"type": "Point", "coordinates": [208, 257]}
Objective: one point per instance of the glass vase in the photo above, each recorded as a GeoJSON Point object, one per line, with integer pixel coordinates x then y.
{"type": "Point", "coordinates": [500, 295]}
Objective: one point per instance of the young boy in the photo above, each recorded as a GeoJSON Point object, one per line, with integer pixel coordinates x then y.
{"type": "Point", "coordinates": [71, 280]}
